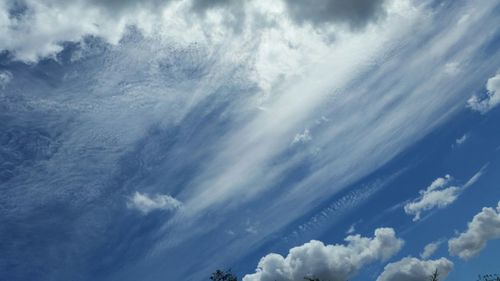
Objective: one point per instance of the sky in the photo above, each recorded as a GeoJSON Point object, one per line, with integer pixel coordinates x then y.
{"type": "Point", "coordinates": [162, 140]}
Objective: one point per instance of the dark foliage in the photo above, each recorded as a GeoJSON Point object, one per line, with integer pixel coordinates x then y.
{"type": "Point", "coordinates": [311, 279]}
{"type": "Point", "coordinates": [220, 275]}
{"type": "Point", "coordinates": [489, 277]}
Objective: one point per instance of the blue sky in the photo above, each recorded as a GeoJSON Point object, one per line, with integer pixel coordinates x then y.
{"type": "Point", "coordinates": [161, 140]}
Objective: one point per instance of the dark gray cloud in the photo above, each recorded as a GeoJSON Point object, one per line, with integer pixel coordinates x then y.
{"type": "Point", "coordinates": [203, 5]}
{"type": "Point", "coordinates": [354, 13]}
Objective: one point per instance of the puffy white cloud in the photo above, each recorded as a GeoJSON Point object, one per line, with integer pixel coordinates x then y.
{"type": "Point", "coordinates": [413, 269]}
{"type": "Point", "coordinates": [145, 203]}
{"type": "Point", "coordinates": [484, 226]}
{"type": "Point", "coordinates": [328, 262]}
{"type": "Point", "coordinates": [438, 195]}
{"type": "Point", "coordinates": [492, 98]}
{"type": "Point", "coordinates": [430, 249]}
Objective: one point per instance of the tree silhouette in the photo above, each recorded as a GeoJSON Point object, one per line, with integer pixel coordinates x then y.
{"type": "Point", "coordinates": [489, 277]}
{"type": "Point", "coordinates": [311, 279]}
{"type": "Point", "coordinates": [220, 275]}
{"type": "Point", "coordinates": [435, 276]}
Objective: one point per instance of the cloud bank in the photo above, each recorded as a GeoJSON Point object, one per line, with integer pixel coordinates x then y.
{"type": "Point", "coordinates": [32, 30]}
{"type": "Point", "coordinates": [485, 226]}
{"type": "Point", "coordinates": [328, 262]}
{"type": "Point", "coordinates": [413, 269]}
{"type": "Point", "coordinates": [145, 203]}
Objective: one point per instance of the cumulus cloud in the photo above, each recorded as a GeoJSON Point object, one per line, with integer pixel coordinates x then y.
{"type": "Point", "coordinates": [328, 262]}
{"type": "Point", "coordinates": [145, 203]}
{"type": "Point", "coordinates": [490, 100]}
{"type": "Point", "coordinates": [430, 249]}
{"type": "Point", "coordinates": [413, 269]}
{"type": "Point", "coordinates": [355, 13]}
{"type": "Point", "coordinates": [438, 195]}
{"type": "Point", "coordinates": [484, 226]}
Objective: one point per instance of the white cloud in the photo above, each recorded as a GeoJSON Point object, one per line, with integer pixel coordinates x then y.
{"type": "Point", "coordinates": [351, 229]}
{"type": "Point", "coordinates": [145, 203]}
{"type": "Point", "coordinates": [328, 262]}
{"type": "Point", "coordinates": [484, 226]}
{"type": "Point", "coordinates": [32, 29]}
{"type": "Point", "coordinates": [476, 176]}
{"type": "Point", "coordinates": [5, 78]}
{"type": "Point", "coordinates": [338, 85]}
{"type": "Point", "coordinates": [430, 249]}
{"type": "Point", "coordinates": [413, 269]}
{"type": "Point", "coordinates": [492, 98]}
{"type": "Point", "coordinates": [452, 68]}
{"type": "Point", "coordinates": [461, 140]}
{"type": "Point", "coordinates": [302, 137]}
{"type": "Point", "coordinates": [438, 195]}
